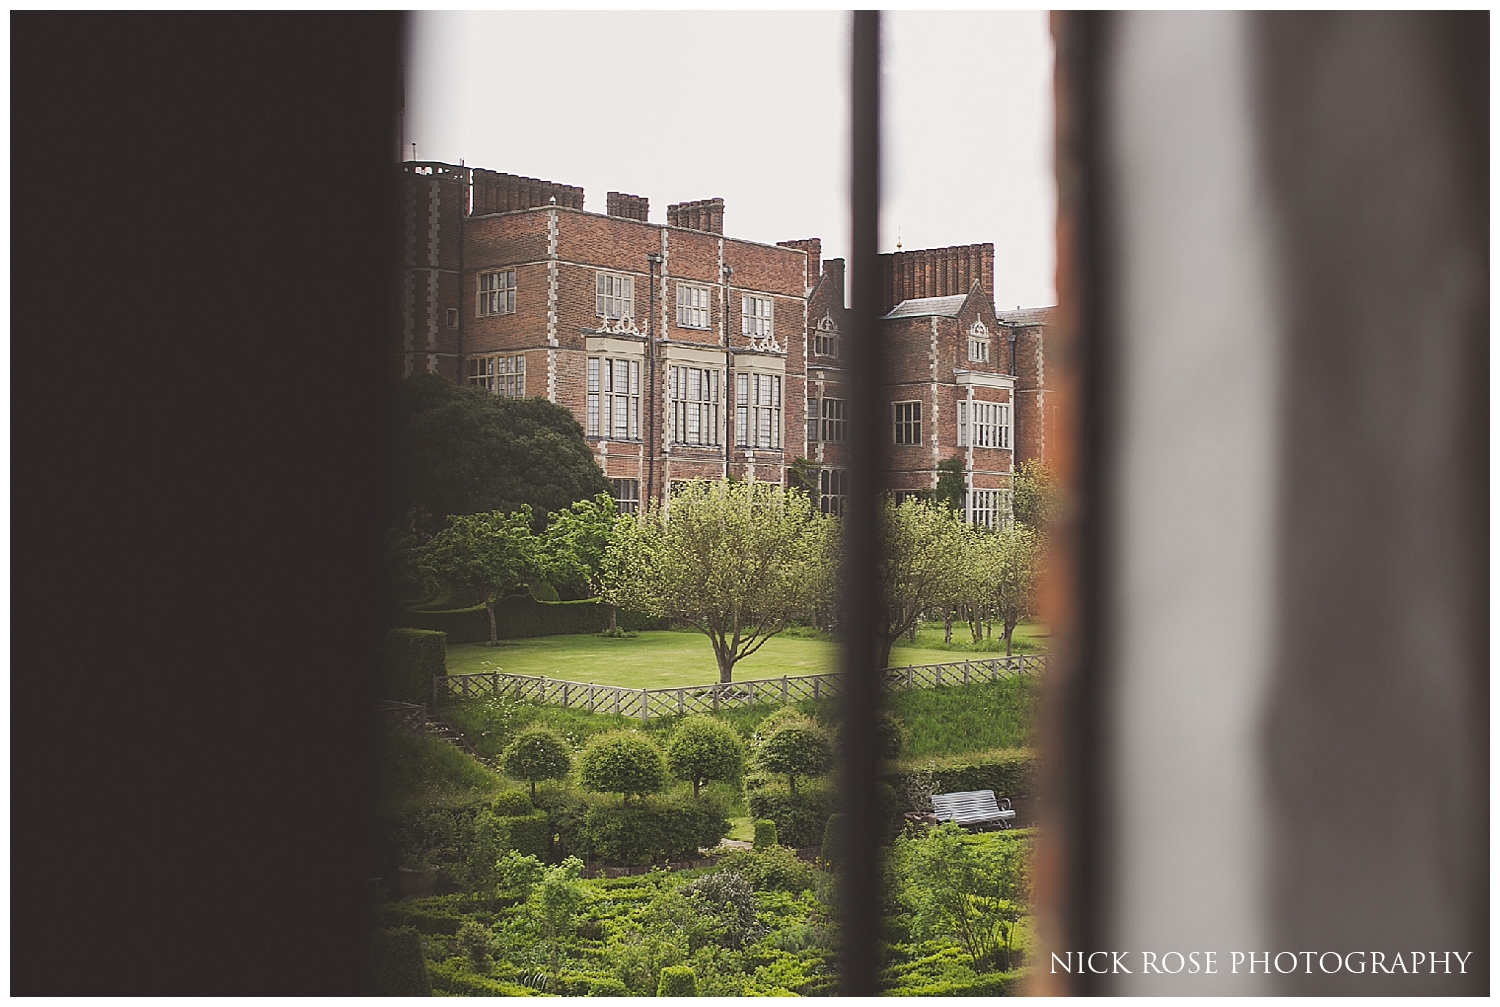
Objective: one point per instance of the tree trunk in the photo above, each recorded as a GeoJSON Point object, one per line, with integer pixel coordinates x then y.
{"type": "Point", "coordinates": [695, 788]}
{"type": "Point", "coordinates": [883, 653]}
{"type": "Point", "coordinates": [1007, 641]}
{"type": "Point", "coordinates": [791, 782]}
{"type": "Point", "coordinates": [947, 625]}
{"type": "Point", "coordinates": [726, 666]}
{"type": "Point", "coordinates": [533, 791]}
{"type": "Point", "coordinates": [911, 634]}
{"type": "Point", "coordinates": [613, 628]}
{"type": "Point", "coordinates": [489, 608]}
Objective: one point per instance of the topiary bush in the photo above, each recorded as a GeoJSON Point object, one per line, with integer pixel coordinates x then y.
{"type": "Point", "coordinates": [832, 851]}
{"type": "Point", "coordinates": [800, 817]}
{"type": "Point", "coordinates": [408, 661]}
{"type": "Point", "coordinates": [396, 968]}
{"type": "Point", "coordinates": [530, 835]}
{"type": "Point", "coordinates": [644, 832]}
{"type": "Point", "coordinates": [794, 750]}
{"type": "Point", "coordinates": [537, 754]}
{"type": "Point", "coordinates": [622, 762]}
{"type": "Point", "coordinates": [765, 833]}
{"type": "Point", "coordinates": [608, 987]}
{"type": "Point", "coordinates": [704, 749]}
{"type": "Point", "coordinates": [677, 981]}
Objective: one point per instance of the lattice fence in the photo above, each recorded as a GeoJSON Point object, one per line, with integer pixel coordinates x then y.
{"type": "Point", "coordinates": [647, 703]}
{"type": "Point", "coordinates": [400, 718]}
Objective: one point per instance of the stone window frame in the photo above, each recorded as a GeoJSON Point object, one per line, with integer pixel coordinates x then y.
{"type": "Point", "coordinates": [759, 396]}
{"type": "Point", "coordinates": [906, 417]}
{"type": "Point", "coordinates": [985, 425]}
{"type": "Point", "coordinates": [605, 400]}
{"type": "Point", "coordinates": [754, 322]}
{"type": "Point", "coordinates": [614, 295]}
{"type": "Point", "coordinates": [833, 491]}
{"type": "Point", "coordinates": [686, 312]}
{"type": "Point", "coordinates": [504, 374]}
{"type": "Point", "coordinates": [706, 406]}
{"type": "Point", "coordinates": [497, 293]}
{"type": "Point", "coordinates": [627, 493]}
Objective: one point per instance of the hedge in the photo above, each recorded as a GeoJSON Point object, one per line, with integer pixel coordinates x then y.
{"type": "Point", "coordinates": [512, 804]}
{"type": "Point", "coordinates": [800, 818]}
{"type": "Point", "coordinates": [523, 616]}
{"type": "Point", "coordinates": [645, 831]}
{"type": "Point", "coordinates": [677, 981]}
{"type": "Point", "coordinates": [995, 984]}
{"type": "Point", "coordinates": [408, 661]}
{"type": "Point", "coordinates": [453, 976]}
{"type": "Point", "coordinates": [765, 833]}
{"type": "Point", "coordinates": [1009, 772]}
{"type": "Point", "coordinates": [396, 968]}
{"type": "Point", "coordinates": [529, 834]}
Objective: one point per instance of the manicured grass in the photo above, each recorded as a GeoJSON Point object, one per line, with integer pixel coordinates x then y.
{"type": "Point", "coordinates": [957, 719]}
{"type": "Point", "coordinates": [655, 659]}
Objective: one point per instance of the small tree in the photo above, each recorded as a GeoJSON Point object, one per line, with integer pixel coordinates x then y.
{"type": "Point", "coordinates": [921, 559]}
{"type": "Point", "coordinates": [493, 555]}
{"type": "Point", "coordinates": [795, 750]}
{"type": "Point", "coordinates": [553, 908]}
{"type": "Point", "coordinates": [1036, 497]}
{"type": "Point", "coordinates": [622, 762]}
{"type": "Point", "coordinates": [704, 749]}
{"type": "Point", "coordinates": [573, 547]}
{"type": "Point", "coordinates": [537, 754]}
{"type": "Point", "coordinates": [1016, 566]}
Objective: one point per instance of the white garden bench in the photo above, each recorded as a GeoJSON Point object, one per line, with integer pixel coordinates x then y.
{"type": "Point", "coordinates": [972, 807]}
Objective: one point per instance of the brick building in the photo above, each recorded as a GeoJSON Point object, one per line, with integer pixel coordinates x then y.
{"type": "Point", "coordinates": [688, 354]}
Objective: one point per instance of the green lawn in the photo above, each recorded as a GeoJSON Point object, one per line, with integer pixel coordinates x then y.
{"type": "Point", "coordinates": [669, 658]}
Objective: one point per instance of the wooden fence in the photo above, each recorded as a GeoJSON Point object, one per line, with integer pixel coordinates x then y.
{"type": "Point", "coordinates": [401, 718]}
{"type": "Point", "coordinates": [647, 703]}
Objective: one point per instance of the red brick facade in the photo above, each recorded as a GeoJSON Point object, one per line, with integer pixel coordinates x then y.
{"type": "Point", "coordinates": [688, 354]}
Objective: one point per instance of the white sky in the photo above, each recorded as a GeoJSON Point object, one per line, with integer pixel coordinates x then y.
{"type": "Point", "coordinates": [754, 107]}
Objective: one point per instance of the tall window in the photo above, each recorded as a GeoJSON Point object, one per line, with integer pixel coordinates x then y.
{"type": "Point", "coordinates": [503, 375]}
{"type": "Point", "coordinates": [692, 306]}
{"type": "Point", "coordinates": [812, 419]}
{"type": "Point", "coordinates": [833, 420]}
{"type": "Point", "coordinates": [908, 417]}
{"type": "Point", "coordinates": [757, 410]}
{"type": "Point", "coordinates": [984, 507]}
{"type": "Point", "coordinates": [983, 425]}
{"type": "Point", "coordinates": [826, 336]}
{"type": "Point", "coordinates": [497, 292]}
{"type": "Point", "coordinates": [979, 342]}
{"type": "Point", "coordinates": [627, 495]}
{"type": "Point", "coordinates": [614, 398]}
{"type": "Point", "coordinates": [614, 296]}
{"type": "Point", "coordinates": [833, 491]}
{"type": "Point", "coordinates": [755, 316]}
{"type": "Point", "coordinates": [694, 393]}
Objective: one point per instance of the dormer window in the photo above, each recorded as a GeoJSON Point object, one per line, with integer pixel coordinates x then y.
{"type": "Point", "coordinates": [826, 336]}
{"type": "Point", "coordinates": [979, 342]}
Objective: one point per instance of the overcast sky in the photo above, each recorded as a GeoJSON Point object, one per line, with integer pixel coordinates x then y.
{"type": "Point", "coordinates": [753, 107]}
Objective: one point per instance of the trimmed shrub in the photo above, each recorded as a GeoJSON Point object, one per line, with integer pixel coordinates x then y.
{"type": "Point", "coordinates": [995, 984]}
{"type": "Point", "coordinates": [622, 762]}
{"type": "Point", "coordinates": [645, 832]}
{"type": "Point", "coordinates": [530, 835]}
{"type": "Point", "coordinates": [794, 750]}
{"type": "Point", "coordinates": [800, 817]}
{"type": "Point", "coordinates": [537, 754]}
{"type": "Point", "coordinates": [677, 981]}
{"type": "Point", "coordinates": [833, 839]}
{"type": "Point", "coordinates": [396, 968]}
{"type": "Point", "coordinates": [453, 977]}
{"type": "Point", "coordinates": [1009, 772]}
{"type": "Point", "coordinates": [608, 987]}
{"type": "Point", "coordinates": [773, 869]}
{"type": "Point", "coordinates": [513, 804]}
{"type": "Point", "coordinates": [704, 749]}
{"type": "Point", "coordinates": [765, 833]}
{"type": "Point", "coordinates": [408, 661]}
{"type": "Point", "coordinates": [473, 939]}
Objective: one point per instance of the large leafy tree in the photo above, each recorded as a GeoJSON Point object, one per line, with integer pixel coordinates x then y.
{"type": "Point", "coordinates": [494, 555]}
{"type": "Point", "coordinates": [921, 564]}
{"type": "Point", "coordinates": [736, 561]}
{"type": "Point", "coordinates": [456, 450]}
{"type": "Point", "coordinates": [573, 548]}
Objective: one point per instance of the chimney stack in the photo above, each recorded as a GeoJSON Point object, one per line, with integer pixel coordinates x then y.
{"type": "Point", "coordinates": [497, 192]}
{"type": "Point", "coordinates": [936, 272]}
{"type": "Point", "coordinates": [623, 204]}
{"type": "Point", "coordinates": [698, 215]}
{"type": "Point", "coordinates": [814, 249]}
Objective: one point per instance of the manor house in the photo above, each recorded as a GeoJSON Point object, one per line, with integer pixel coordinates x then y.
{"type": "Point", "coordinates": [688, 354]}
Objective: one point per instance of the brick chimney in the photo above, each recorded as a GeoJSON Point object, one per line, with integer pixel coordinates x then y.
{"type": "Point", "coordinates": [623, 204]}
{"type": "Point", "coordinates": [936, 272]}
{"type": "Point", "coordinates": [497, 192]}
{"type": "Point", "coordinates": [834, 270]}
{"type": "Point", "coordinates": [814, 249]}
{"type": "Point", "coordinates": [698, 215]}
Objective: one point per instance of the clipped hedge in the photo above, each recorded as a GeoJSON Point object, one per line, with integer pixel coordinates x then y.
{"type": "Point", "coordinates": [453, 976]}
{"type": "Point", "coordinates": [608, 987]}
{"type": "Point", "coordinates": [408, 661]}
{"type": "Point", "coordinates": [396, 968]}
{"type": "Point", "coordinates": [765, 833]}
{"type": "Point", "coordinates": [1009, 772]}
{"type": "Point", "coordinates": [800, 818]}
{"type": "Point", "coordinates": [529, 834]}
{"type": "Point", "coordinates": [523, 616]}
{"type": "Point", "coordinates": [512, 804]}
{"type": "Point", "coordinates": [677, 981]}
{"type": "Point", "coordinates": [995, 984]}
{"type": "Point", "coordinates": [648, 831]}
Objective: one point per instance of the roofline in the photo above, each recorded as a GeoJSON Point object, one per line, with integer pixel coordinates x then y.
{"type": "Point", "coordinates": [643, 223]}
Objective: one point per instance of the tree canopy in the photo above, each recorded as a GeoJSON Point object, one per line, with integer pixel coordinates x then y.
{"type": "Point", "coordinates": [457, 450]}
{"type": "Point", "coordinates": [921, 565]}
{"type": "Point", "coordinates": [494, 555]}
{"type": "Point", "coordinates": [736, 561]}
{"type": "Point", "coordinates": [795, 749]}
{"type": "Point", "coordinates": [573, 546]}
{"type": "Point", "coordinates": [622, 762]}
{"type": "Point", "coordinates": [537, 754]}
{"type": "Point", "coordinates": [704, 749]}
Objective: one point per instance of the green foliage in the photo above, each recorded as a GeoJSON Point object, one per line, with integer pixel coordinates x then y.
{"type": "Point", "coordinates": [800, 817]}
{"type": "Point", "coordinates": [418, 771]}
{"type": "Point", "coordinates": [492, 554]}
{"type": "Point", "coordinates": [1001, 571]}
{"type": "Point", "coordinates": [573, 546]}
{"type": "Point", "coordinates": [408, 661]}
{"type": "Point", "coordinates": [608, 986]}
{"type": "Point", "coordinates": [473, 939]}
{"type": "Point", "coordinates": [622, 762]}
{"type": "Point", "coordinates": [964, 718]}
{"type": "Point", "coordinates": [543, 591]}
{"type": "Point", "coordinates": [802, 475]}
{"type": "Point", "coordinates": [1008, 772]}
{"type": "Point", "coordinates": [458, 450]}
{"type": "Point", "coordinates": [765, 833]}
{"type": "Point", "coordinates": [727, 900]}
{"type": "Point", "coordinates": [704, 749]}
{"type": "Point", "coordinates": [644, 832]}
{"type": "Point", "coordinates": [396, 968]}
{"type": "Point", "coordinates": [537, 754]}
{"type": "Point", "coordinates": [522, 616]}
{"type": "Point", "coordinates": [677, 981]}
{"type": "Point", "coordinates": [454, 978]}
{"type": "Point", "coordinates": [736, 561]}
{"type": "Point", "coordinates": [832, 851]}
{"type": "Point", "coordinates": [529, 834]}
{"type": "Point", "coordinates": [794, 750]}
{"type": "Point", "coordinates": [553, 907]}
{"type": "Point", "coordinates": [772, 869]}
{"type": "Point", "coordinates": [921, 566]}
{"type": "Point", "coordinates": [950, 484]}
{"type": "Point", "coordinates": [513, 803]}
{"type": "Point", "coordinates": [891, 735]}
{"type": "Point", "coordinates": [1036, 496]}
